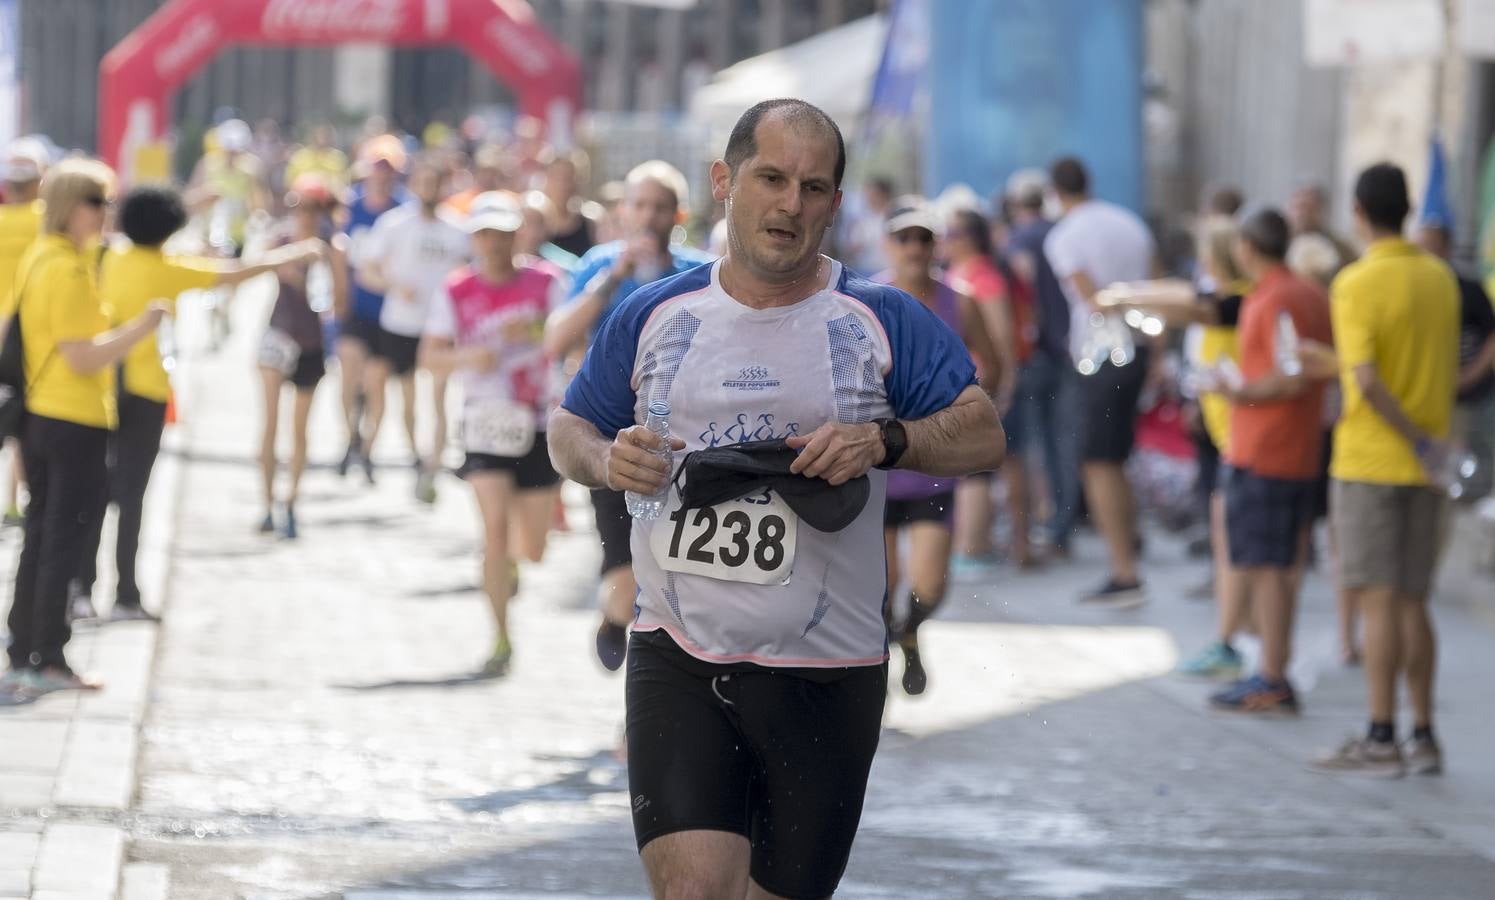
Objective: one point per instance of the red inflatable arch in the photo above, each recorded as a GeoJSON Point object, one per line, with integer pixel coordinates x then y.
{"type": "Point", "coordinates": [138, 76]}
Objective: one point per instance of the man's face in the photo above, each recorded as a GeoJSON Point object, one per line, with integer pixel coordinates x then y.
{"type": "Point", "coordinates": [1305, 210]}
{"type": "Point", "coordinates": [425, 184]}
{"type": "Point", "coordinates": [382, 175]}
{"type": "Point", "coordinates": [649, 208]}
{"type": "Point", "coordinates": [781, 200]}
{"type": "Point", "coordinates": [912, 253]}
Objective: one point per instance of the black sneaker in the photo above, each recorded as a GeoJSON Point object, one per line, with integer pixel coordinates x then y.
{"type": "Point", "coordinates": [915, 680]}
{"type": "Point", "coordinates": [1116, 595]}
{"type": "Point", "coordinates": [347, 461]}
{"type": "Point", "coordinates": [267, 524]}
{"type": "Point", "coordinates": [612, 645]}
{"type": "Point", "coordinates": [288, 527]}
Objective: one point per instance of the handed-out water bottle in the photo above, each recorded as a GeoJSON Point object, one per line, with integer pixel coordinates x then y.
{"type": "Point", "coordinates": [649, 506]}
{"type": "Point", "coordinates": [1286, 353]}
{"type": "Point", "coordinates": [1449, 467]}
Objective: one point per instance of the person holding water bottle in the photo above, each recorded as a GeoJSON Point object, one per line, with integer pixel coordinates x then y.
{"type": "Point", "coordinates": [757, 662]}
{"type": "Point", "coordinates": [487, 324]}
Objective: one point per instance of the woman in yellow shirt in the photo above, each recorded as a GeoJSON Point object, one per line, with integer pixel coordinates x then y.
{"type": "Point", "coordinates": [135, 275]}
{"type": "Point", "coordinates": [70, 352]}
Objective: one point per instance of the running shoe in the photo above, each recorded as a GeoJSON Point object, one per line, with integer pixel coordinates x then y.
{"type": "Point", "coordinates": [15, 688]}
{"type": "Point", "coordinates": [1362, 756]}
{"type": "Point", "coordinates": [966, 568]}
{"type": "Point", "coordinates": [1218, 660]}
{"type": "Point", "coordinates": [131, 612]}
{"type": "Point", "coordinates": [59, 678]}
{"type": "Point", "coordinates": [1424, 757]}
{"type": "Point", "coordinates": [915, 679]}
{"type": "Point", "coordinates": [1257, 694]}
{"type": "Point", "coordinates": [425, 486]}
{"type": "Point", "coordinates": [267, 524]}
{"type": "Point", "coordinates": [498, 664]}
{"type": "Point", "coordinates": [347, 461]}
{"type": "Point", "coordinates": [1116, 595]}
{"type": "Point", "coordinates": [288, 527]}
{"type": "Point", "coordinates": [612, 645]}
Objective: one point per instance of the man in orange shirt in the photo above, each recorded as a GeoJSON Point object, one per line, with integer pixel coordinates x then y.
{"type": "Point", "coordinates": [1274, 456]}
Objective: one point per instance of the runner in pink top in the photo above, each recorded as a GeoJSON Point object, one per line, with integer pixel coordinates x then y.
{"type": "Point", "coordinates": [486, 325]}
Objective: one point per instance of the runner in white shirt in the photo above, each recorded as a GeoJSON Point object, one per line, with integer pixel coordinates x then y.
{"type": "Point", "coordinates": [757, 670]}
{"type": "Point", "coordinates": [487, 323]}
{"type": "Point", "coordinates": [408, 255]}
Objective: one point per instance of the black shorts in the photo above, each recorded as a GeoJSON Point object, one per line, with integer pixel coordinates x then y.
{"type": "Point", "coordinates": [1265, 517]}
{"type": "Point", "coordinates": [531, 472]}
{"type": "Point", "coordinates": [779, 756]}
{"type": "Point", "coordinates": [310, 367]}
{"type": "Point", "coordinates": [939, 509]}
{"type": "Point", "coordinates": [1109, 403]}
{"type": "Point", "coordinates": [614, 527]}
{"type": "Point", "coordinates": [398, 350]}
{"type": "Point", "coordinates": [365, 331]}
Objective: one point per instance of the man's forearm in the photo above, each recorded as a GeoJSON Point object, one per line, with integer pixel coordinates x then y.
{"type": "Point", "coordinates": [963, 438]}
{"type": "Point", "coordinates": [578, 451]}
{"type": "Point", "coordinates": [569, 324]}
{"type": "Point", "coordinates": [1382, 402]}
{"type": "Point", "coordinates": [1271, 388]}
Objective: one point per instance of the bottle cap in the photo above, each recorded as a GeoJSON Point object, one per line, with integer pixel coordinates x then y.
{"type": "Point", "coordinates": [659, 408]}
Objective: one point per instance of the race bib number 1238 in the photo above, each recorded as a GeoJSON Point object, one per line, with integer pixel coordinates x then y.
{"type": "Point", "coordinates": [751, 539]}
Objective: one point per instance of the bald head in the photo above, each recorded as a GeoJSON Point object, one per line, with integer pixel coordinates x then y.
{"type": "Point", "coordinates": [785, 112]}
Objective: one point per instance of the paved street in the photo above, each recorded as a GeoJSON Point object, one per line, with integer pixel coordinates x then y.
{"type": "Point", "coordinates": [310, 731]}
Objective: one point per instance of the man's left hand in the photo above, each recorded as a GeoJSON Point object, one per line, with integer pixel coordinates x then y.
{"type": "Point", "coordinates": [838, 452]}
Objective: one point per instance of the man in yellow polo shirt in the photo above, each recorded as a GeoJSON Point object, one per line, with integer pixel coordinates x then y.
{"type": "Point", "coordinates": [1396, 329]}
{"type": "Point", "coordinates": [20, 222]}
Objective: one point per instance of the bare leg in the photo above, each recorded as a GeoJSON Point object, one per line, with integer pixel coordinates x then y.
{"type": "Point", "coordinates": [1232, 592]}
{"type": "Point", "coordinates": [272, 380]}
{"type": "Point", "coordinates": [1419, 657]}
{"type": "Point", "coordinates": [617, 594]}
{"type": "Point", "coordinates": [1110, 499]}
{"type": "Point", "coordinates": [495, 493]}
{"type": "Point", "coordinates": [1015, 473]}
{"type": "Point", "coordinates": [439, 425]}
{"type": "Point", "coordinates": [407, 397]}
{"type": "Point", "coordinates": [1383, 650]}
{"type": "Point", "coordinates": [1273, 600]}
{"type": "Point", "coordinates": [375, 380]}
{"type": "Point", "coordinates": [301, 413]}
{"type": "Point", "coordinates": [973, 516]}
{"type": "Point", "coordinates": [529, 523]}
{"type": "Point", "coordinates": [697, 865]}
{"type": "Point", "coordinates": [928, 568]}
{"type": "Point", "coordinates": [352, 357]}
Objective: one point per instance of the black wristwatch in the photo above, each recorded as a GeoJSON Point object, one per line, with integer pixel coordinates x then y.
{"type": "Point", "coordinates": [894, 441]}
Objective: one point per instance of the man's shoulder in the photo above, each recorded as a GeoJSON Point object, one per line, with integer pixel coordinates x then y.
{"type": "Point", "coordinates": [635, 309]}
{"type": "Point", "coordinates": [875, 295]}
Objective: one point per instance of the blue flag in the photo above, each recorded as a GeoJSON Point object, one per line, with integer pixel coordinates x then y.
{"type": "Point", "coordinates": [901, 73]}
{"type": "Point", "coordinates": [1436, 210]}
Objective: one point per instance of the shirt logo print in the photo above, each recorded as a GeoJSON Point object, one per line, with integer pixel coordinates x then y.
{"type": "Point", "coordinates": [752, 378]}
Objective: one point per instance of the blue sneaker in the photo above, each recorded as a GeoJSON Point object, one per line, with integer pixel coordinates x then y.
{"type": "Point", "coordinates": [1218, 660]}
{"type": "Point", "coordinates": [1257, 695]}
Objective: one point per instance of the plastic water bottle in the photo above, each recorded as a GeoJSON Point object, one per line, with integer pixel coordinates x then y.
{"type": "Point", "coordinates": [1289, 361]}
{"type": "Point", "coordinates": [1450, 467]}
{"type": "Point", "coordinates": [649, 506]}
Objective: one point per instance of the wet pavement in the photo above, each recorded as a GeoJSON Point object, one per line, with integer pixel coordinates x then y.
{"type": "Point", "coordinates": [312, 729]}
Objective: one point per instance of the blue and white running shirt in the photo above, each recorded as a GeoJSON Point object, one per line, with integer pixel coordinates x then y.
{"type": "Point", "coordinates": [746, 581]}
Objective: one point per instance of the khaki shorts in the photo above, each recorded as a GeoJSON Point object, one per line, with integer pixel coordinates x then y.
{"type": "Point", "coordinates": [1388, 535]}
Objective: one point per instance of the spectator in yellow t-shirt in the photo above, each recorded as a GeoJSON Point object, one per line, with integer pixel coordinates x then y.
{"type": "Point", "coordinates": [1396, 330]}
{"type": "Point", "coordinates": [320, 157]}
{"type": "Point", "coordinates": [20, 223]}
{"type": "Point", "coordinates": [135, 276]}
{"type": "Point", "coordinates": [70, 353]}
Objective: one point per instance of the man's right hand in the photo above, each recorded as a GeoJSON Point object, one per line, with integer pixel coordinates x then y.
{"type": "Point", "coordinates": [632, 464]}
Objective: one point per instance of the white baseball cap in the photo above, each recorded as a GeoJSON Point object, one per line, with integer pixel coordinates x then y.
{"type": "Point", "coordinates": [913, 212]}
{"type": "Point", "coordinates": [26, 160]}
{"type": "Point", "coordinates": [234, 135]}
{"type": "Point", "coordinates": [494, 211]}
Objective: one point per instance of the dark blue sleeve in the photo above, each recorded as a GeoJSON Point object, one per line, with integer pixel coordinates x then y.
{"type": "Point", "coordinates": [602, 392]}
{"type": "Point", "coordinates": [931, 365]}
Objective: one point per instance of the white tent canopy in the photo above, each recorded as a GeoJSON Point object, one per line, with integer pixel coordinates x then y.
{"type": "Point", "coordinates": [833, 70]}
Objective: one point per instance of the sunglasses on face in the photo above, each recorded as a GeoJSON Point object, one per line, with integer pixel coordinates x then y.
{"type": "Point", "coordinates": [913, 235]}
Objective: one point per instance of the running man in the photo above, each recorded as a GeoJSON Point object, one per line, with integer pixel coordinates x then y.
{"type": "Point", "coordinates": [487, 324]}
{"type": "Point", "coordinates": [923, 505]}
{"type": "Point", "coordinates": [654, 203]}
{"type": "Point", "coordinates": [409, 254]}
{"type": "Point", "coordinates": [755, 691]}
{"type": "Point", "coordinates": [358, 342]}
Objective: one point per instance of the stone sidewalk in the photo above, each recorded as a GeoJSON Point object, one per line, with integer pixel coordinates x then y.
{"type": "Point", "coordinates": [313, 730]}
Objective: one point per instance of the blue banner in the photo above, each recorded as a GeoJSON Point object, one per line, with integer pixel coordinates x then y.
{"type": "Point", "coordinates": [1436, 210]}
{"type": "Point", "coordinates": [897, 89]}
{"type": "Point", "coordinates": [10, 85]}
{"type": "Point", "coordinates": [1018, 83]}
